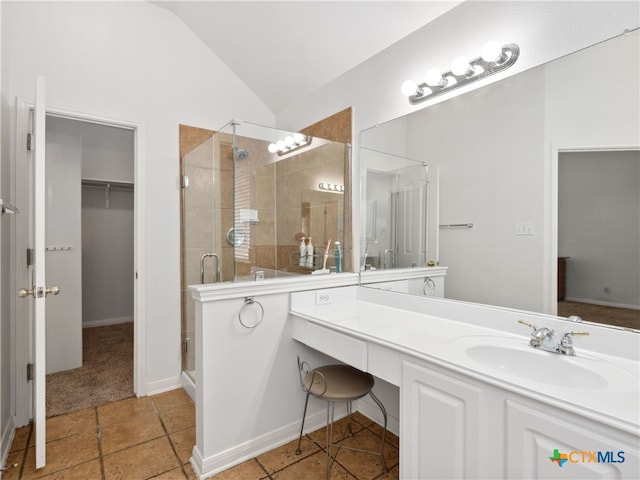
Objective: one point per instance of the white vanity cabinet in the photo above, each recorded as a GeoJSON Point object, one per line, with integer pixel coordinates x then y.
{"type": "Point", "coordinates": [454, 426]}
{"type": "Point", "coordinates": [441, 424]}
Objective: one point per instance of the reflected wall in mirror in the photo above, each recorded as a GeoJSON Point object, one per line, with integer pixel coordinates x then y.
{"type": "Point", "coordinates": [494, 154]}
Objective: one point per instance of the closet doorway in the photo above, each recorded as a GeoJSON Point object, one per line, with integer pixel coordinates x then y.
{"type": "Point", "coordinates": [90, 252]}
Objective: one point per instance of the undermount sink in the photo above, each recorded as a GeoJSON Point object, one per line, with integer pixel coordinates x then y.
{"type": "Point", "coordinates": [515, 358]}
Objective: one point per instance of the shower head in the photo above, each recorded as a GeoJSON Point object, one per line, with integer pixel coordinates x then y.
{"type": "Point", "coordinates": [241, 154]}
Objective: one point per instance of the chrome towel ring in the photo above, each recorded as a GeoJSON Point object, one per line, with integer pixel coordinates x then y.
{"type": "Point", "coordinates": [429, 287]}
{"type": "Point", "coordinates": [248, 301]}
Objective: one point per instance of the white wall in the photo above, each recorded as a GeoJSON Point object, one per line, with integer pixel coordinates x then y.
{"type": "Point", "coordinates": [599, 226]}
{"type": "Point", "coordinates": [107, 152]}
{"type": "Point", "coordinates": [107, 257]}
{"type": "Point", "coordinates": [136, 62]}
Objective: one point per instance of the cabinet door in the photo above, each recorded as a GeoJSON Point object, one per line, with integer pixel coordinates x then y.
{"type": "Point", "coordinates": [440, 421]}
{"type": "Point", "coordinates": [547, 443]}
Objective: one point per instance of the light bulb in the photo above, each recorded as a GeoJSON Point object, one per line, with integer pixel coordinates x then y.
{"type": "Point", "coordinates": [272, 148]}
{"type": "Point", "coordinates": [298, 137]}
{"type": "Point", "coordinates": [288, 140]}
{"type": "Point", "coordinates": [434, 78]}
{"type": "Point", "coordinates": [408, 88]}
{"type": "Point", "coordinates": [492, 51]}
{"type": "Point", "coordinates": [460, 66]}
{"type": "Point", "coordinates": [281, 145]}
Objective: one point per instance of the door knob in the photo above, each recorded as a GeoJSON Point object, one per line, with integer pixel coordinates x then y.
{"type": "Point", "coordinates": [38, 292]}
{"type": "Point", "coordinates": [52, 291]}
{"type": "Point", "coordinates": [23, 292]}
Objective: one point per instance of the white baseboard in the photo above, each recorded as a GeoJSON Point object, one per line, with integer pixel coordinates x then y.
{"type": "Point", "coordinates": [188, 385]}
{"type": "Point", "coordinates": [8, 432]}
{"type": "Point", "coordinates": [164, 385]}
{"type": "Point", "coordinates": [370, 410]}
{"type": "Point", "coordinates": [206, 467]}
{"type": "Point", "coordinates": [603, 303]}
{"type": "Point", "coordinates": [103, 322]}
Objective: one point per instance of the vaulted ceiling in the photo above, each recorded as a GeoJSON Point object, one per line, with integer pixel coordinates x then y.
{"type": "Point", "coordinates": [283, 51]}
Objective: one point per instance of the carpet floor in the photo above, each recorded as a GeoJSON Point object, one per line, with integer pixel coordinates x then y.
{"type": "Point", "coordinates": [106, 374]}
{"type": "Point", "coordinates": [622, 317]}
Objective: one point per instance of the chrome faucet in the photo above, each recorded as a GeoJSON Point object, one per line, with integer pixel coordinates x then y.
{"type": "Point", "coordinates": [545, 339]}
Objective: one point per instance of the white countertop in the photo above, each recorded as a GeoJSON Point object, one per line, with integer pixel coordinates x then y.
{"type": "Point", "coordinates": [443, 341]}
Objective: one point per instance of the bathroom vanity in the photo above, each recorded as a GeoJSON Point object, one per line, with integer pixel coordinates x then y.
{"type": "Point", "coordinates": [476, 401]}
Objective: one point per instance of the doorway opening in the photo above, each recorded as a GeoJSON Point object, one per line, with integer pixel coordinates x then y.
{"type": "Point", "coordinates": [598, 236]}
{"type": "Point", "coordinates": [89, 253]}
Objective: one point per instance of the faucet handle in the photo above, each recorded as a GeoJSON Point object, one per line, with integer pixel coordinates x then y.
{"type": "Point", "coordinates": [566, 337]}
{"type": "Point", "coordinates": [530, 325]}
{"type": "Point", "coordinates": [569, 334]}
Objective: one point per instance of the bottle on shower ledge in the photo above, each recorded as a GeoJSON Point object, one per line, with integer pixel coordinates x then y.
{"type": "Point", "coordinates": [337, 256]}
{"type": "Point", "coordinates": [303, 253]}
{"type": "Point", "coordinates": [309, 253]}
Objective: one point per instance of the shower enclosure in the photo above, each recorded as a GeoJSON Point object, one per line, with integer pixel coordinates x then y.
{"type": "Point", "coordinates": [396, 190]}
{"type": "Point", "coordinates": [250, 195]}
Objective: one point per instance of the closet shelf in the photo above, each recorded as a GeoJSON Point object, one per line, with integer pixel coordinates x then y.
{"type": "Point", "coordinates": [107, 184]}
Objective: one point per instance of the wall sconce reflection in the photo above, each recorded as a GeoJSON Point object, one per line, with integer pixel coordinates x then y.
{"type": "Point", "coordinates": [289, 143]}
{"type": "Point", "coordinates": [330, 187]}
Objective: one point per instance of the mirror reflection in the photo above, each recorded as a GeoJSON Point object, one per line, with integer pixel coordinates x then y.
{"type": "Point", "coordinates": [541, 172]}
{"type": "Point", "coordinates": [396, 197]}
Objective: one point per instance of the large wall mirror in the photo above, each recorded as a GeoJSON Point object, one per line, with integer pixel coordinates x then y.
{"type": "Point", "coordinates": [532, 193]}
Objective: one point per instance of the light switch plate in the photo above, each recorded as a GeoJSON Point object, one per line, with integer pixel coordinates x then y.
{"type": "Point", "coordinates": [524, 229]}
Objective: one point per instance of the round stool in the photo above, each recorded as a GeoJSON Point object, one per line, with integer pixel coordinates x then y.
{"type": "Point", "coordinates": [338, 383]}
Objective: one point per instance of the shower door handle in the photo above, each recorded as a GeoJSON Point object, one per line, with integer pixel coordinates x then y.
{"type": "Point", "coordinates": [392, 256]}
{"type": "Point", "coordinates": [202, 259]}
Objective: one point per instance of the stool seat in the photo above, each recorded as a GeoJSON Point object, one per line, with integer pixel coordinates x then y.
{"type": "Point", "coordinates": [338, 383]}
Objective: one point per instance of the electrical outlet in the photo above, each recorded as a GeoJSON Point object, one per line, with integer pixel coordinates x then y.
{"type": "Point", "coordinates": [322, 298]}
{"type": "Point", "coordinates": [523, 229]}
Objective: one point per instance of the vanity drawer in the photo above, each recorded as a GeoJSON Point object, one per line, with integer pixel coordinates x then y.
{"type": "Point", "coordinates": [337, 345]}
{"type": "Point", "coordinates": [385, 363]}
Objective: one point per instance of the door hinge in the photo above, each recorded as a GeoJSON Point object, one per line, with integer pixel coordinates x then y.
{"type": "Point", "coordinates": [29, 372]}
{"type": "Point", "coordinates": [186, 343]}
{"type": "Point", "coordinates": [29, 137]}
{"type": "Point", "coordinates": [185, 181]}
{"type": "Point", "coordinates": [30, 256]}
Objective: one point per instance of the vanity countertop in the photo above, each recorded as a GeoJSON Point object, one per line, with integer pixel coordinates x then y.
{"type": "Point", "coordinates": [611, 395]}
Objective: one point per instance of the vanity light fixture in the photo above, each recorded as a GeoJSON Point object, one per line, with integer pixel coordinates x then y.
{"type": "Point", "coordinates": [330, 187]}
{"type": "Point", "coordinates": [289, 143]}
{"type": "Point", "coordinates": [494, 58]}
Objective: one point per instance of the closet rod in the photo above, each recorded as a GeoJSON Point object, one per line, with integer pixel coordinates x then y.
{"type": "Point", "coordinates": [108, 184]}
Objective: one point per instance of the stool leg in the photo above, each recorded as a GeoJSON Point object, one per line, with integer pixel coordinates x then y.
{"type": "Point", "coordinates": [331, 407]}
{"type": "Point", "coordinates": [349, 412]}
{"type": "Point", "coordinates": [384, 431]}
{"type": "Point", "coordinates": [304, 414]}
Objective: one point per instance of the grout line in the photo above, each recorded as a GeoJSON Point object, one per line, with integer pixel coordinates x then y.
{"type": "Point", "coordinates": [263, 469]}
{"type": "Point", "coordinates": [99, 436]}
{"type": "Point", "coordinates": [166, 432]}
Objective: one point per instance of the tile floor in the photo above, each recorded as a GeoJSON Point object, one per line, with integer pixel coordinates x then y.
{"type": "Point", "coordinates": [152, 437]}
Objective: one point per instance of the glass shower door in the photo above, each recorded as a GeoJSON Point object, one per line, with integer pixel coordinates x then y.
{"type": "Point", "coordinates": [199, 263]}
